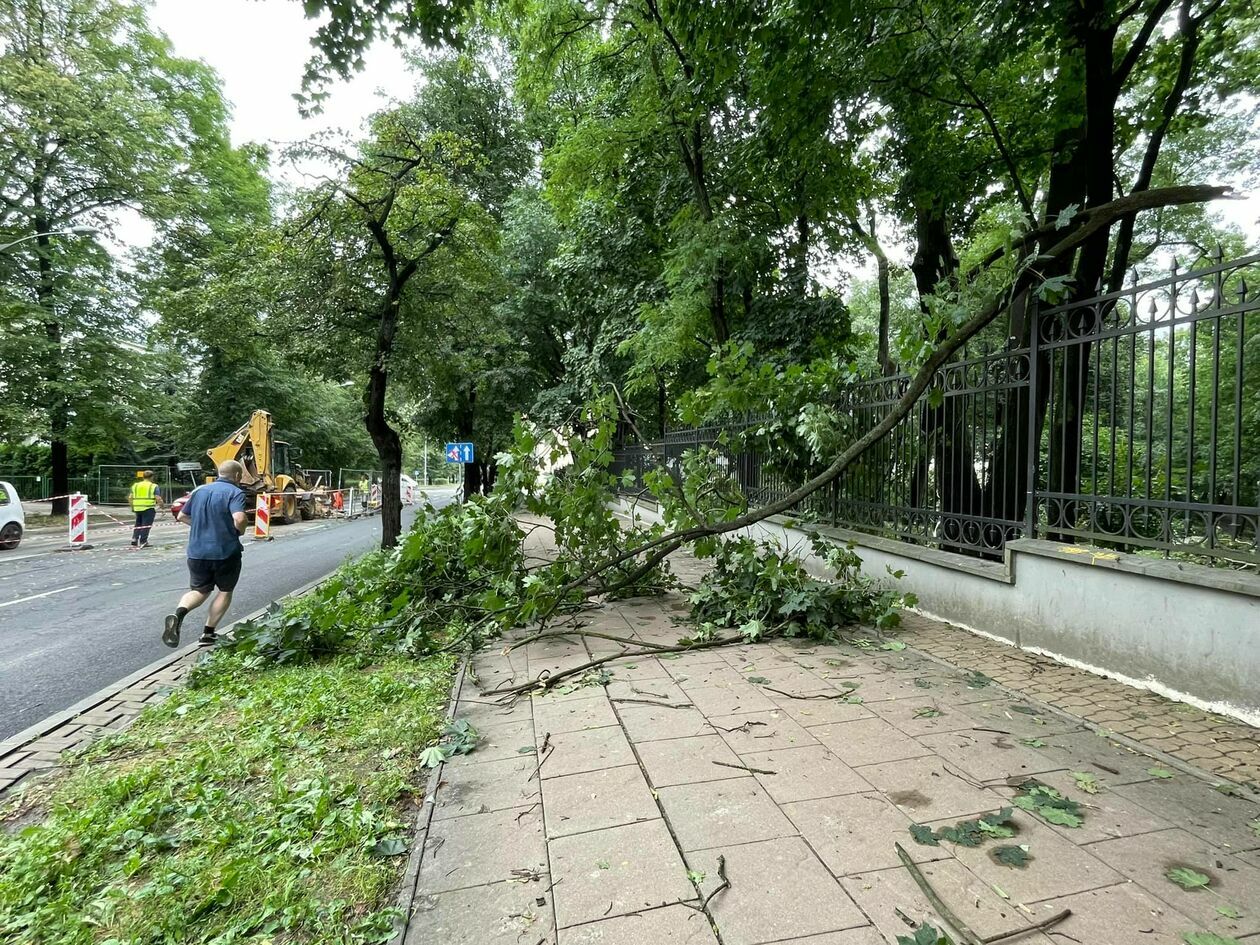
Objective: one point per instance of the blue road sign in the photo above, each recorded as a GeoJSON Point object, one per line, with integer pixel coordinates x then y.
{"type": "Point", "coordinates": [460, 453]}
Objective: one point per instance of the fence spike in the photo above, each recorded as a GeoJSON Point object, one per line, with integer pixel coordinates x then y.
{"type": "Point", "coordinates": [1242, 290]}
{"type": "Point", "coordinates": [1219, 253]}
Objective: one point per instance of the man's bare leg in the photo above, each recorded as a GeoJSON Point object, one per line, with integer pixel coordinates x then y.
{"type": "Point", "coordinates": [193, 599]}
{"type": "Point", "coordinates": [218, 607]}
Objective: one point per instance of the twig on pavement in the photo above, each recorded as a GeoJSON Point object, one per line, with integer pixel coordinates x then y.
{"type": "Point", "coordinates": [727, 764]}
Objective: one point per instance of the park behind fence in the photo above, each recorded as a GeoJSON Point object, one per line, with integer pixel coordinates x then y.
{"type": "Point", "coordinates": [1130, 420]}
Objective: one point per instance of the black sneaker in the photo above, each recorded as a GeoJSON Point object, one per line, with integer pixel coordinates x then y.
{"type": "Point", "coordinates": [170, 630]}
{"type": "Point", "coordinates": [208, 639]}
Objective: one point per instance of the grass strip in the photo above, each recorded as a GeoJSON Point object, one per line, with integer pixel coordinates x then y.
{"type": "Point", "coordinates": [256, 805]}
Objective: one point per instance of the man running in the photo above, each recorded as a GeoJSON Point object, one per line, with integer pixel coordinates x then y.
{"type": "Point", "coordinates": [215, 515]}
{"type": "Point", "coordinates": [145, 499]}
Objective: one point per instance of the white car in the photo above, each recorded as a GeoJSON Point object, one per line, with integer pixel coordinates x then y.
{"type": "Point", "coordinates": [12, 518]}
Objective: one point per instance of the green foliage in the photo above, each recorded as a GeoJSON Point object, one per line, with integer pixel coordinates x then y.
{"type": "Point", "coordinates": [259, 804]}
{"type": "Point", "coordinates": [451, 578]}
{"type": "Point", "coordinates": [765, 592]}
{"type": "Point", "coordinates": [968, 833]}
{"type": "Point", "coordinates": [1207, 938]}
{"type": "Point", "coordinates": [1188, 878]}
{"type": "Point", "coordinates": [1016, 856]}
{"type": "Point", "coordinates": [1086, 782]}
{"type": "Point", "coordinates": [1047, 803]}
{"type": "Point", "coordinates": [925, 934]}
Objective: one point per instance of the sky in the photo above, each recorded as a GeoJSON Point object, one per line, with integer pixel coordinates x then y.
{"type": "Point", "coordinates": [259, 49]}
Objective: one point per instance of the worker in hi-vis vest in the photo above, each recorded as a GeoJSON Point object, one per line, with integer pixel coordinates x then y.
{"type": "Point", "coordinates": [145, 499]}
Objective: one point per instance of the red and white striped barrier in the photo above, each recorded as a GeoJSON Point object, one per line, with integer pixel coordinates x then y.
{"type": "Point", "coordinates": [78, 520]}
{"type": "Point", "coordinates": [262, 519]}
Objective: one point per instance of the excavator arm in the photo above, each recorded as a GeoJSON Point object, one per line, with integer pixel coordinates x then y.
{"type": "Point", "coordinates": [251, 446]}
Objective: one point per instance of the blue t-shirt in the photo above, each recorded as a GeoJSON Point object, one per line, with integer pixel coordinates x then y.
{"type": "Point", "coordinates": [212, 534]}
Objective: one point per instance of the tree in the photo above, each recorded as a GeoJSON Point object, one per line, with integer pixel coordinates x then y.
{"type": "Point", "coordinates": [96, 117]}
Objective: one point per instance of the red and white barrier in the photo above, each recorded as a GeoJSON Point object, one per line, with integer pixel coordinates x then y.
{"type": "Point", "coordinates": [262, 519]}
{"type": "Point", "coordinates": [78, 520]}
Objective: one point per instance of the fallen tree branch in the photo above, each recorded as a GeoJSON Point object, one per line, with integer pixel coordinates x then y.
{"type": "Point", "coordinates": [1035, 927]}
{"type": "Point", "coordinates": [727, 764]}
{"type": "Point", "coordinates": [549, 681]}
{"type": "Point", "coordinates": [1084, 225]}
{"type": "Point", "coordinates": [579, 632]}
{"type": "Point", "coordinates": [956, 925]}
{"type": "Point", "coordinates": [725, 884]}
{"type": "Point", "coordinates": [812, 695]}
{"type": "Point", "coordinates": [663, 705]}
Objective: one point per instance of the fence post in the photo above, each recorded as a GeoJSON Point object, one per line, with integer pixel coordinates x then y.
{"type": "Point", "coordinates": [1034, 435]}
{"type": "Point", "coordinates": [835, 502]}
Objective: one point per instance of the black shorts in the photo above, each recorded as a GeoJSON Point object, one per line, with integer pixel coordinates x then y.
{"type": "Point", "coordinates": [205, 573]}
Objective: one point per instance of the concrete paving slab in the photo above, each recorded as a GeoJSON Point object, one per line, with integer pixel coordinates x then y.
{"type": "Point", "coordinates": [821, 711]}
{"type": "Point", "coordinates": [779, 890]}
{"type": "Point", "coordinates": [596, 800]}
{"type": "Point", "coordinates": [652, 723]}
{"type": "Point", "coordinates": [1194, 805]}
{"type": "Point", "coordinates": [922, 716]}
{"type": "Point", "coordinates": [1089, 751]}
{"type": "Point", "coordinates": [719, 813]}
{"type": "Point", "coordinates": [1108, 815]}
{"type": "Point", "coordinates": [481, 788]}
{"type": "Point", "coordinates": [987, 756]}
{"type": "Point", "coordinates": [505, 913]}
{"type": "Point", "coordinates": [718, 673]}
{"type": "Point", "coordinates": [671, 925]}
{"type": "Point", "coordinates": [761, 731]}
{"type": "Point", "coordinates": [1117, 915]}
{"type": "Point", "coordinates": [1146, 860]}
{"type": "Point", "coordinates": [662, 690]}
{"type": "Point", "coordinates": [806, 773]}
{"type": "Point", "coordinates": [926, 789]}
{"type": "Point", "coordinates": [868, 741]}
{"type": "Point", "coordinates": [607, 873]}
{"type": "Point", "coordinates": [498, 742]}
{"type": "Point", "coordinates": [572, 715]}
{"type": "Point", "coordinates": [866, 935]}
{"type": "Point", "coordinates": [481, 849]}
{"type": "Point", "coordinates": [736, 699]}
{"type": "Point", "coordinates": [486, 714]}
{"type": "Point", "coordinates": [591, 750]}
{"type": "Point", "coordinates": [638, 668]}
{"type": "Point", "coordinates": [1058, 867]}
{"type": "Point", "coordinates": [688, 760]}
{"type": "Point", "coordinates": [881, 893]}
{"type": "Point", "coordinates": [1020, 718]}
{"type": "Point", "coordinates": [854, 833]}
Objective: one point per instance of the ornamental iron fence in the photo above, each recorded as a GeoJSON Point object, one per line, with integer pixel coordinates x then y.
{"type": "Point", "coordinates": [1129, 420]}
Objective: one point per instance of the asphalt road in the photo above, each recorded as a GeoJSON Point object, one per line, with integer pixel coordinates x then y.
{"type": "Point", "coordinates": [74, 622]}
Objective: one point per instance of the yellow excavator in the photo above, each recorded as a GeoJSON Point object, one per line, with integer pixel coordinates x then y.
{"type": "Point", "coordinates": [267, 469]}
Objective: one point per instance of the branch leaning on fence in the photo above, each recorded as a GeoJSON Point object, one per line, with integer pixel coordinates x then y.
{"type": "Point", "coordinates": [1084, 225]}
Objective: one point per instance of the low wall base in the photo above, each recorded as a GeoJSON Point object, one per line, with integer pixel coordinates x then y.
{"type": "Point", "coordinates": [1185, 631]}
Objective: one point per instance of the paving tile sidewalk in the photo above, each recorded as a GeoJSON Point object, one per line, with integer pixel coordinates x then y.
{"type": "Point", "coordinates": [606, 810]}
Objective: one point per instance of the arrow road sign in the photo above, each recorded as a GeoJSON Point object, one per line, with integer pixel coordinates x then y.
{"type": "Point", "coordinates": [460, 453]}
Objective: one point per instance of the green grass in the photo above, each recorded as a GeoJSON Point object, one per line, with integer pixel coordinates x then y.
{"type": "Point", "coordinates": [262, 806]}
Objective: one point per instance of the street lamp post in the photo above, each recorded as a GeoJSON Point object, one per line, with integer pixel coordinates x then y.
{"type": "Point", "coordinates": [69, 231]}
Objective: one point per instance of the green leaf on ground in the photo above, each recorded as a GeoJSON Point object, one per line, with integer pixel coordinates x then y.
{"type": "Point", "coordinates": [864, 643]}
{"type": "Point", "coordinates": [895, 646]}
{"type": "Point", "coordinates": [1086, 782]}
{"type": "Point", "coordinates": [923, 683]}
{"type": "Point", "coordinates": [1016, 856]}
{"type": "Point", "coordinates": [696, 877]}
{"type": "Point", "coordinates": [1188, 878]}
{"type": "Point", "coordinates": [976, 679]}
{"type": "Point", "coordinates": [603, 864]}
{"type": "Point", "coordinates": [925, 935]}
{"type": "Point", "coordinates": [1048, 804]}
{"type": "Point", "coordinates": [927, 712]}
{"type": "Point", "coordinates": [525, 750]}
{"type": "Point", "coordinates": [759, 680]}
{"type": "Point", "coordinates": [1207, 938]}
{"type": "Point", "coordinates": [972, 833]}
{"type": "Point", "coordinates": [391, 847]}
{"type": "Point", "coordinates": [432, 756]}
{"type": "Point", "coordinates": [1229, 789]}
{"type": "Point", "coordinates": [1024, 709]}
{"type": "Point", "coordinates": [1229, 911]}
{"type": "Point", "coordinates": [1254, 826]}
{"type": "Point", "coordinates": [923, 834]}
{"type": "Point", "coordinates": [1159, 773]}
{"type": "Point", "coordinates": [1032, 742]}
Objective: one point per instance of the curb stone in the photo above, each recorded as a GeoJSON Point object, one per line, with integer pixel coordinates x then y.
{"type": "Point", "coordinates": [424, 818]}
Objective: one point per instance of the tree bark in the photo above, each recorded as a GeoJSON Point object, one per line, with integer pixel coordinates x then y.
{"type": "Point", "coordinates": [55, 400]}
{"type": "Point", "coordinates": [384, 437]}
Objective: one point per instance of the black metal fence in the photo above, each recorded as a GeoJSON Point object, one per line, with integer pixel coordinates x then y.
{"type": "Point", "coordinates": [1129, 420]}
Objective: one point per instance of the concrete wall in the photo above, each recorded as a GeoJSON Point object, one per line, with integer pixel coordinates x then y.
{"type": "Point", "coordinates": [1183, 630]}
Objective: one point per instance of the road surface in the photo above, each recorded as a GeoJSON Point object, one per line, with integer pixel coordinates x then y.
{"type": "Point", "coordinates": [74, 622]}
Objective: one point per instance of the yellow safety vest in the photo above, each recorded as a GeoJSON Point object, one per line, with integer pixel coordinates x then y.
{"type": "Point", "coordinates": [142, 496]}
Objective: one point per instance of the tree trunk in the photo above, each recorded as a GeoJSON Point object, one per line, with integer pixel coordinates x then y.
{"type": "Point", "coordinates": [55, 400]}
{"type": "Point", "coordinates": [384, 437]}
